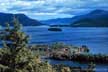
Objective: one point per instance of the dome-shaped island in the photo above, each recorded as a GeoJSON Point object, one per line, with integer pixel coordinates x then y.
{"type": "Point", "coordinates": [54, 29]}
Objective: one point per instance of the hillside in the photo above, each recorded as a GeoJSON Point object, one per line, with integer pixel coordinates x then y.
{"type": "Point", "coordinates": [26, 21]}
{"type": "Point", "coordinates": [58, 21]}
{"type": "Point", "coordinates": [96, 18]}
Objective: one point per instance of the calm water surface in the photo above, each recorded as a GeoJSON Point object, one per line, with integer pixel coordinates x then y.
{"type": "Point", "coordinates": [95, 38]}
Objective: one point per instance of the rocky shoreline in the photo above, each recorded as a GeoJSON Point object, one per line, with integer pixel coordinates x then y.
{"type": "Point", "coordinates": [81, 58]}
{"type": "Point", "coordinates": [60, 51]}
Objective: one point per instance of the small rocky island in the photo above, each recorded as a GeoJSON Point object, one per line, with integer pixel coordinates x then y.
{"type": "Point", "coordinates": [61, 51]}
{"type": "Point", "coordinates": [54, 29]}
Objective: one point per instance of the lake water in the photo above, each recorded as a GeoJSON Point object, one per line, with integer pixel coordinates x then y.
{"type": "Point", "coordinates": [95, 38]}
{"type": "Point", "coordinates": [99, 68]}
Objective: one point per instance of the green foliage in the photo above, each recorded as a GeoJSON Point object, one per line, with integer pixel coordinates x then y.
{"type": "Point", "coordinates": [15, 55]}
{"type": "Point", "coordinates": [59, 45]}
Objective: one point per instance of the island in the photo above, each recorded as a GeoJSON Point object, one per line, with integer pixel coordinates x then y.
{"type": "Point", "coordinates": [54, 29]}
{"type": "Point", "coordinates": [62, 51]}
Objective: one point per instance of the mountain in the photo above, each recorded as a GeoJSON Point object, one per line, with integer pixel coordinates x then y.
{"type": "Point", "coordinates": [23, 19]}
{"type": "Point", "coordinates": [58, 21]}
{"type": "Point", "coordinates": [96, 18]}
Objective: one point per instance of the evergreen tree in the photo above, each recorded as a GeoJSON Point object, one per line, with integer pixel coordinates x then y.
{"type": "Point", "coordinates": [15, 55]}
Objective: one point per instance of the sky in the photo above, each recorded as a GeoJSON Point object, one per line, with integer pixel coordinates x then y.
{"type": "Point", "coordinates": [51, 9]}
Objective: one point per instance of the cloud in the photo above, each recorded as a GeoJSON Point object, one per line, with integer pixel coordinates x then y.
{"type": "Point", "coordinates": [51, 8]}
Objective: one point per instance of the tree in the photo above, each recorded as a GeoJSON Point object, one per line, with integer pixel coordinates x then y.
{"type": "Point", "coordinates": [59, 45]}
{"type": "Point", "coordinates": [15, 56]}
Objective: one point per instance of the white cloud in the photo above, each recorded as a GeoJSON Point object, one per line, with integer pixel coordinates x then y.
{"type": "Point", "coordinates": [51, 7]}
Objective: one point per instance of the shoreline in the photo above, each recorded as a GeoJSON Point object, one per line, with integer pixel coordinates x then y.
{"type": "Point", "coordinates": [82, 59]}
{"type": "Point", "coordinates": [60, 51]}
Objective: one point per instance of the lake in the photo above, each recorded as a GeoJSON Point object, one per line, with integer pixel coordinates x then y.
{"type": "Point", "coordinates": [95, 38]}
{"type": "Point", "coordinates": [99, 67]}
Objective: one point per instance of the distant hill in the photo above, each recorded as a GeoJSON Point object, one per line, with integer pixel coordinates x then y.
{"type": "Point", "coordinates": [96, 18]}
{"type": "Point", "coordinates": [23, 19]}
{"type": "Point", "coordinates": [58, 21]}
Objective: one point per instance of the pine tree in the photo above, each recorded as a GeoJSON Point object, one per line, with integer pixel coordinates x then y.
{"type": "Point", "coordinates": [15, 55]}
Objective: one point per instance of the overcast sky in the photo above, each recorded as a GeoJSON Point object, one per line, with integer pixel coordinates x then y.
{"type": "Point", "coordinates": [49, 9]}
